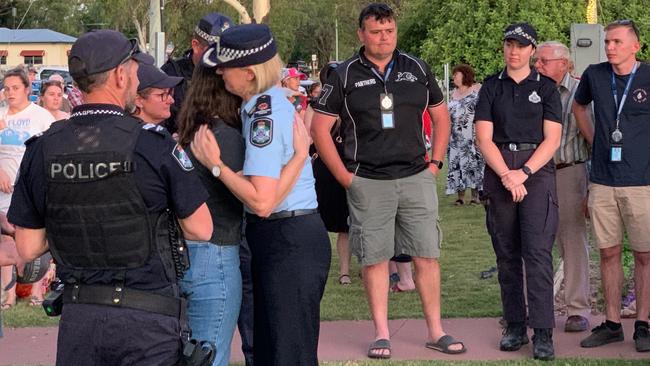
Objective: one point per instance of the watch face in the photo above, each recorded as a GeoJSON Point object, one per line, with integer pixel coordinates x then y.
{"type": "Point", "coordinates": [216, 171]}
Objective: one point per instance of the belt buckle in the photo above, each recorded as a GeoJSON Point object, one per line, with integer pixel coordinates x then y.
{"type": "Point", "coordinates": [512, 146]}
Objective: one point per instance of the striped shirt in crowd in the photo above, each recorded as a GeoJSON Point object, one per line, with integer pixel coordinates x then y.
{"type": "Point", "coordinates": [573, 147]}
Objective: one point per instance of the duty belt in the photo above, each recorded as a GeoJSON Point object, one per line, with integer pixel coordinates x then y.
{"type": "Point", "coordinates": [280, 215]}
{"type": "Point", "coordinates": [120, 296]}
{"type": "Point", "coordinates": [513, 146]}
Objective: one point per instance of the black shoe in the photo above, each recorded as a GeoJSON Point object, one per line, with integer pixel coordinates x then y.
{"type": "Point", "coordinates": [514, 336]}
{"type": "Point", "coordinates": [641, 337]}
{"type": "Point", "coordinates": [602, 335]}
{"type": "Point", "coordinates": [543, 344]}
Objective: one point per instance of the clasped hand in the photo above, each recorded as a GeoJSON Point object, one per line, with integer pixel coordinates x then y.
{"type": "Point", "coordinates": [513, 181]}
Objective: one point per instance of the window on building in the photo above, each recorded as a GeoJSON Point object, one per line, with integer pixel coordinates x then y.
{"type": "Point", "coordinates": [33, 60]}
{"type": "Point", "coordinates": [3, 57]}
{"type": "Point", "coordinates": [33, 57]}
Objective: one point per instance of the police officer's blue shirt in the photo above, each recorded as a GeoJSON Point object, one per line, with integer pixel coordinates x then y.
{"type": "Point", "coordinates": [596, 85]}
{"type": "Point", "coordinates": [164, 176]}
{"type": "Point", "coordinates": [267, 126]}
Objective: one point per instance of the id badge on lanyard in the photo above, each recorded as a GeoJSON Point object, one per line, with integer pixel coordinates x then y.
{"type": "Point", "coordinates": [386, 104]}
{"type": "Point", "coordinates": [616, 137]}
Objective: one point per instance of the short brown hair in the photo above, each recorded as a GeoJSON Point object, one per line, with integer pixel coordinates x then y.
{"type": "Point", "coordinates": [467, 72]}
{"type": "Point", "coordinates": [624, 23]}
{"type": "Point", "coordinates": [87, 83]}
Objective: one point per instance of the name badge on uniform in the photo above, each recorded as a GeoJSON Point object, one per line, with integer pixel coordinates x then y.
{"type": "Point", "coordinates": [616, 153]}
{"type": "Point", "coordinates": [386, 105]}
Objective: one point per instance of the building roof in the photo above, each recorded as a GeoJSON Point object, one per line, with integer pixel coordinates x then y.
{"type": "Point", "coordinates": [33, 36]}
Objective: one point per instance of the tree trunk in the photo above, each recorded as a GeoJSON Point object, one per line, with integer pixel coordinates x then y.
{"type": "Point", "coordinates": [261, 10]}
{"type": "Point", "coordinates": [243, 13]}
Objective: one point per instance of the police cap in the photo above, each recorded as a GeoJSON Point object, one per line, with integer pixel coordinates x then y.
{"type": "Point", "coordinates": [523, 33]}
{"type": "Point", "coordinates": [102, 50]}
{"type": "Point", "coordinates": [211, 26]}
{"type": "Point", "coordinates": [151, 77]}
{"type": "Point", "coordinates": [241, 45]}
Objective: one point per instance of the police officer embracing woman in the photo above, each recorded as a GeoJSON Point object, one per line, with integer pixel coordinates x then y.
{"type": "Point", "coordinates": [518, 127]}
{"type": "Point", "coordinates": [103, 190]}
{"type": "Point", "coordinates": [289, 245]}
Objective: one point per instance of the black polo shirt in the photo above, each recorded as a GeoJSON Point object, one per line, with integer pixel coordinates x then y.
{"type": "Point", "coordinates": [518, 111]}
{"type": "Point", "coordinates": [352, 93]}
{"type": "Point", "coordinates": [596, 85]}
{"type": "Point", "coordinates": [160, 177]}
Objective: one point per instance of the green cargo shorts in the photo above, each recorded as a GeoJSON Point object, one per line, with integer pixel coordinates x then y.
{"type": "Point", "coordinates": [392, 217]}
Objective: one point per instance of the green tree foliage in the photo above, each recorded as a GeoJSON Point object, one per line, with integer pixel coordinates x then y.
{"type": "Point", "coordinates": [470, 31]}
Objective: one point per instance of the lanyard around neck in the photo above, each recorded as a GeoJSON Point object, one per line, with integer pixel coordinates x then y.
{"type": "Point", "coordinates": [389, 68]}
{"type": "Point", "coordinates": [619, 108]}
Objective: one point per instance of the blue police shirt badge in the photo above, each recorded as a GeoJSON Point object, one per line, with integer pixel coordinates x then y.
{"type": "Point", "coordinates": [261, 132]}
{"type": "Point", "coordinates": [181, 157]}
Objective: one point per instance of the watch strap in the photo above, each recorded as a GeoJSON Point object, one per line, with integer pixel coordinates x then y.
{"type": "Point", "coordinates": [437, 163]}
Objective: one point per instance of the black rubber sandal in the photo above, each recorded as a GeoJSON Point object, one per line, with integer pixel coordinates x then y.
{"type": "Point", "coordinates": [380, 344]}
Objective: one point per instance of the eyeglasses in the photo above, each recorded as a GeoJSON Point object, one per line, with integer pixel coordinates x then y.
{"type": "Point", "coordinates": [626, 23]}
{"type": "Point", "coordinates": [545, 61]}
{"type": "Point", "coordinates": [164, 95]}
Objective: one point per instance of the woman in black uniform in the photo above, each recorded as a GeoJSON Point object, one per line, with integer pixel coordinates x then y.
{"type": "Point", "coordinates": [518, 128]}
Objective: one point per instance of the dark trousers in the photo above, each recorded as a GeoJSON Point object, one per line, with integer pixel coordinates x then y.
{"type": "Point", "coordinates": [524, 233]}
{"type": "Point", "coordinates": [245, 321]}
{"type": "Point", "coordinates": [110, 336]}
{"type": "Point", "coordinates": [291, 260]}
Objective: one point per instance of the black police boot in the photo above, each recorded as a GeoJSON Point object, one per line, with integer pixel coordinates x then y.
{"type": "Point", "coordinates": [514, 336]}
{"type": "Point", "coordinates": [543, 344]}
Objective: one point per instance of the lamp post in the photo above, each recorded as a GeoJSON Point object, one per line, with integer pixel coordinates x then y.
{"type": "Point", "coordinates": [336, 31]}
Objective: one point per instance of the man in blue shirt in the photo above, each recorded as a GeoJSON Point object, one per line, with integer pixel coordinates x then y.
{"type": "Point", "coordinates": [619, 190]}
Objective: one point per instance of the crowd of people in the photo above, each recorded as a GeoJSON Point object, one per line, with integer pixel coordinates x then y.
{"type": "Point", "coordinates": [179, 202]}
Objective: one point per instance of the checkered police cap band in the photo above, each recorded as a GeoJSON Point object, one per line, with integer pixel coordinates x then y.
{"type": "Point", "coordinates": [225, 54]}
{"type": "Point", "coordinates": [207, 37]}
{"type": "Point", "coordinates": [518, 31]}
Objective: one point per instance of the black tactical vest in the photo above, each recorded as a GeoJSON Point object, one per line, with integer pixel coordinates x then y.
{"type": "Point", "coordinates": [96, 218]}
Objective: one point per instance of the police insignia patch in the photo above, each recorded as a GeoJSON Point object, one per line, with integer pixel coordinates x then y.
{"type": "Point", "coordinates": [261, 132]}
{"type": "Point", "coordinates": [534, 98]}
{"type": "Point", "coordinates": [181, 157]}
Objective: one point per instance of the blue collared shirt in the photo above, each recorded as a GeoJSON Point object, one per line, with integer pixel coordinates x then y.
{"type": "Point", "coordinates": [267, 127]}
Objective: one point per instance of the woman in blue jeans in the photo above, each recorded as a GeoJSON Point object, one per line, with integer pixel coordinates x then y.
{"type": "Point", "coordinates": [213, 283]}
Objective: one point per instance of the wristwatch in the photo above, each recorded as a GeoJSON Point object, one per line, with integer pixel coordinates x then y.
{"type": "Point", "coordinates": [437, 163]}
{"type": "Point", "coordinates": [527, 170]}
{"type": "Point", "coordinates": [216, 170]}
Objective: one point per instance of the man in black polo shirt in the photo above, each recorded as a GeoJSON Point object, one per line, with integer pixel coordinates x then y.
{"type": "Point", "coordinates": [380, 95]}
{"type": "Point", "coordinates": [619, 190]}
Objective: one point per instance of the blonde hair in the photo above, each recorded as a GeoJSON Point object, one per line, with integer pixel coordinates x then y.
{"type": "Point", "coordinates": [267, 74]}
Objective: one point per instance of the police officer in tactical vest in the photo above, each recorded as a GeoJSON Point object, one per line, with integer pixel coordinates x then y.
{"type": "Point", "coordinates": [206, 32]}
{"type": "Point", "coordinates": [102, 193]}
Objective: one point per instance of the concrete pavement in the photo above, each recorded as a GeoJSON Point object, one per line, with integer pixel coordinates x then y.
{"type": "Point", "coordinates": [348, 340]}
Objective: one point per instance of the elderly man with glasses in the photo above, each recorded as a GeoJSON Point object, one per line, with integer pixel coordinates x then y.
{"type": "Point", "coordinates": [552, 59]}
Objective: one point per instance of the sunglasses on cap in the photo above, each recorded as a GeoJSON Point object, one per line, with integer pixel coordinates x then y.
{"type": "Point", "coordinates": [627, 23]}
{"type": "Point", "coordinates": [135, 48]}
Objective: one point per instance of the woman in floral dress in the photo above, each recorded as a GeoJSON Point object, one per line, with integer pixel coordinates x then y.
{"type": "Point", "coordinates": [465, 161]}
